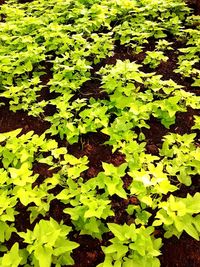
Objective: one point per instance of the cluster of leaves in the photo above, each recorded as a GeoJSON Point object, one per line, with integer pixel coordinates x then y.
{"type": "Point", "coordinates": [47, 242]}
{"type": "Point", "coordinates": [189, 57]}
{"type": "Point", "coordinates": [42, 32]}
{"type": "Point", "coordinates": [71, 37]}
{"type": "Point", "coordinates": [71, 121]}
{"type": "Point", "coordinates": [52, 31]}
{"type": "Point", "coordinates": [135, 96]}
{"type": "Point", "coordinates": [144, 19]}
{"type": "Point", "coordinates": [131, 246]}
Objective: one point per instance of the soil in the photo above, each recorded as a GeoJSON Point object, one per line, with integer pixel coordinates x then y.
{"type": "Point", "coordinates": [195, 5]}
{"type": "Point", "coordinates": [183, 252]}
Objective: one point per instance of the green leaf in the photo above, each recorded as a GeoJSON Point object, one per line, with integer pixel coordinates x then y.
{"type": "Point", "coordinates": [12, 258]}
{"type": "Point", "coordinates": [190, 230]}
{"type": "Point", "coordinates": [43, 255]}
{"type": "Point", "coordinates": [117, 230]}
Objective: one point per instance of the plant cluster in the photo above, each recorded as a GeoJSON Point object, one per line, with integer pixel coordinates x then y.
{"type": "Point", "coordinates": [73, 37]}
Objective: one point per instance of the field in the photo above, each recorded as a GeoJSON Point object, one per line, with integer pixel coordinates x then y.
{"type": "Point", "coordinates": [99, 133]}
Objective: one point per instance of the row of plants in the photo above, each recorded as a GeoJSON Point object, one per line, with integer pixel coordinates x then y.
{"type": "Point", "coordinates": [73, 37]}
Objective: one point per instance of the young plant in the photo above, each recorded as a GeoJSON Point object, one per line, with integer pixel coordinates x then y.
{"type": "Point", "coordinates": [163, 45]}
{"type": "Point", "coordinates": [111, 179]}
{"type": "Point", "coordinates": [122, 77]}
{"type": "Point", "coordinates": [19, 151]}
{"type": "Point", "coordinates": [14, 257]}
{"type": "Point", "coordinates": [131, 246]}
{"type": "Point", "coordinates": [88, 208]}
{"type": "Point", "coordinates": [48, 243]}
{"type": "Point", "coordinates": [154, 58]}
{"type": "Point", "coordinates": [181, 156]}
{"type": "Point", "coordinates": [180, 214]}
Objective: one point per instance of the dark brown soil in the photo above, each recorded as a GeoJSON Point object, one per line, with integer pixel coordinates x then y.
{"type": "Point", "coordinates": [13, 120]}
{"type": "Point", "coordinates": [183, 252]}
{"type": "Point", "coordinates": [25, 1]}
{"type": "Point", "coordinates": [195, 5]}
{"type": "Point", "coordinates": [89, 252]}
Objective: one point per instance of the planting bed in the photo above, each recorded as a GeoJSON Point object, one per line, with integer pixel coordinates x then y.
{"type": "Point", "coordinates": [100, 133]}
